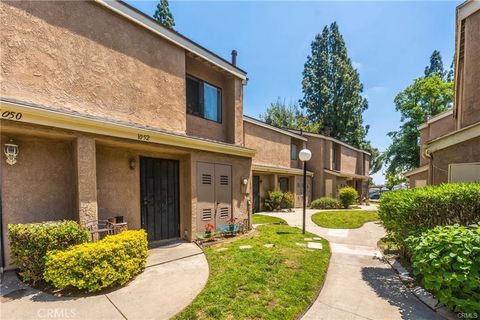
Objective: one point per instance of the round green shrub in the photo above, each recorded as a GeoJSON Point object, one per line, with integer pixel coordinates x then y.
{"type": "Point", "coordinates": [447, 258]}
{"type": "Point", "coordinates": [325, 203]}
{"type": "Point", "coordinates": [94, 266]}
{"type": "Point", "coordinates": [277, 199]}
{"type": "Point", "coordinates": [347, 196]}
{"type": "Point", "coordinates": [29, 244]}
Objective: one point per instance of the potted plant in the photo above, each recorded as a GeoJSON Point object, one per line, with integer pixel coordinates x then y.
{"type": "Point", "coordinates": [209, 229]}
{"type": "Point", "coordinates": [232, 222]}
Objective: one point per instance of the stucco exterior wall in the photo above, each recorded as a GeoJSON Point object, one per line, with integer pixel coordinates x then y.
{"type": "Point", "coordinates": [348, 160]}
{"type": "Point", "coordinates": [40, 186]}
{"type": "Point", "coordinates": [273, 148]}
{"type": "Point", "coordinates": [241, 199]}
{"type": "Point", "coordinates": [465, 152]}
{"type": "Point", "coordinates": [469, 83]}
{"type": "Point", "coordinates": [440, 127]}
{"type": "Point", "coordinates": [418, 180]}
{"type": "Point", "coordinates": [317, 164]}
{"type": "Point", "coordinates": [197, 126]}
{"type": "Point", "coordinates": [78, 56]}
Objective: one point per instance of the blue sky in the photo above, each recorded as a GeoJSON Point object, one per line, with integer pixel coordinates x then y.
{"type": "Point", "coordinates": [389, 42]}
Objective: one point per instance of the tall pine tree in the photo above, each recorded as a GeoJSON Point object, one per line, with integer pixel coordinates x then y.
{"type": "Point", "coordinates": [163, 14]}
{"type": "Point", "coordinates": [333, 91]}
{"type": "Point", "coordinates": [435, 66]}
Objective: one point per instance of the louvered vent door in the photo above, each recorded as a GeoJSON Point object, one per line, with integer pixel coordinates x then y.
{"type": "Point", "coordinates": [214, 194]}
{"type": "Point", "coordinates": [223, 193]}
{"type": "Point", "coordinates": [205, 195]}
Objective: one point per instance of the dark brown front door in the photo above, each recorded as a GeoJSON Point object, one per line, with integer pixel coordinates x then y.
{"type": "Point", "coordinates": [160, 198]}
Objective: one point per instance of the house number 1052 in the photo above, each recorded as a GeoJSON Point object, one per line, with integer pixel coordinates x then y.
{"type": "Point", "coordinates": [143, 137]}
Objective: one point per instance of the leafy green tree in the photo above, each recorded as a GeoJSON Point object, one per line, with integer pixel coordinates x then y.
{"type": "Point", "coordinates": [163, 14]}
{"type": "Point", "coordinates": [332, 89]}
{"type": "Point", "coordinates": [283, 115]}
{"type": "Point", "coordinates": [393, 179]}
{"type": "Point", "coordinates": [435, 66]}
{"type": "Point", "coordinates": [426, 97]}
{"type": "Point", "coordinates": [376, 157]}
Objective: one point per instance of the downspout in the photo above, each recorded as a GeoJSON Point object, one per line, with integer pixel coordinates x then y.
{"type": "Point", "coordinates": [430, 166]}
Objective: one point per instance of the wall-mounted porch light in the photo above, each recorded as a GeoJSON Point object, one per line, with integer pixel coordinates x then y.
{"type": "Point", "coordinates": [244, 181]}
{"type": "Point", "coordinates": [11, 151]}
{"type": "Point", "coordinates": [131, 163]}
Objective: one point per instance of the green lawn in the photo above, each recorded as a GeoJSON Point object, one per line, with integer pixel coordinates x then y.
{"type": "Point", "coordinates": [346, 219]}
{"type": "Point", "coordinates": [261, 283]}
{"type": "Point", "coordinates": [260, 219]}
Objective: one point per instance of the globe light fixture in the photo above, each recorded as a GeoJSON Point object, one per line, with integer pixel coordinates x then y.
{"type": "Point", "coordinates": [304, 155]}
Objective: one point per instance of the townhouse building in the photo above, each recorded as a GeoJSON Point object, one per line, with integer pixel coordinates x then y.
{"type": "Point", "coordinates": [275, 165]}
{"type": "Point", "coordinates": [106, 113]}
{"type": "Point", "coordinates": [450, 141]}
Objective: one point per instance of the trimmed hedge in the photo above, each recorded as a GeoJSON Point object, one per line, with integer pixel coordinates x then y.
{"type": "Point", "coordinates": [29, 244]}
{"type": "Point", "coordinates": [94, 266]}
{"type": "Point", "coordinates": [347, 196]}
{"type": "Point", "coordinates": [448, 261]}
{"type": "Point", "coordinates": [412, 211]}
{"type": "Point", "coordinates": [326, 203]}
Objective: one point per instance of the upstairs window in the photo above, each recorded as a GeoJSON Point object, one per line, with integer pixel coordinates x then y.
{"type": "Point", "coordinates": [293, 152]}
{"type": "Point", "coordinates": [204, 99]}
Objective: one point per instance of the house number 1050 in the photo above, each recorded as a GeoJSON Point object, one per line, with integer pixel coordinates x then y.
{"type": "Point", "coordinates": [11, 115]}
{"type": "Point", "coordinates": [143, 137]}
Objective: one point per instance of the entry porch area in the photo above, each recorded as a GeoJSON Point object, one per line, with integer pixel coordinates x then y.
{"type": "Point", "coordinates": [269, 178]}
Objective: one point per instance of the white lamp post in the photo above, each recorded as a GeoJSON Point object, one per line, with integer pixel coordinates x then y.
{"type": "Point", "coordinates": [304, 155]}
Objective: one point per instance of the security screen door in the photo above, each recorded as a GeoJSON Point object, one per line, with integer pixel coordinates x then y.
{"type": "Point", "coordinates": [160, 198]}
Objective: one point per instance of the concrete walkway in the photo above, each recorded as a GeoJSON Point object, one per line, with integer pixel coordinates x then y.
{"type": "Point", "coordinates": [359, 285]}
{"type": "Point", "coordinates": [175, 274]}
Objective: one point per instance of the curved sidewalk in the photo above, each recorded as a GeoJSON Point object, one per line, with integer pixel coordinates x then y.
{"type": "Point", "coordinates": [175, 274]}
{"type": "Point", "coordinates": [359, 285]}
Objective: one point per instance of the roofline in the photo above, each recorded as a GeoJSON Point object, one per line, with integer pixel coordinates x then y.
{"type": "Point", "coordinates": [46, 116]}
{"type": "Point", "coordinates": [147, 22]}
{"type": "Point", "coordinates": [416, 170]}
{"type": "Point", "coordinates": [467, 8]}
{"type": "Point", "coordinates": [268, 126]}
{"type": "Point", "coordinates": [453, 138]}
{"type": "Point", "coordinates": [345, 174]}
{"type": "Point", "coordinates": [317, 135]}
{"type": "Point", "coordinates": [279, 170]}
{"type": "Point", "coordinates": [435, 118]}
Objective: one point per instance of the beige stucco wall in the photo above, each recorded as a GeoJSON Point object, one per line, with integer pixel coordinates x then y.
{"type": "Point", "coordinates": [418, 179]}
{"type": "Point", "coordinates": [317, 164]}
{"type": "Point", "coordinates": [465, 152]}
{"type": "Point", "coordinates": [198, 126]}
{"type": "Point", "coordinates": [441, 127]}
{"type": "Point", "coordinates": [40, 186]}
{"type": "Point", "coordinates": [93, 62]}
{"type": "Point", "coordinates": [468, 86]}
{"type": "Point", "coordinates": [273, 148]}
{"type": "Point", "coordinates": [348, 160]}
{"type": "Point", "coordinates": [241, 200]}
